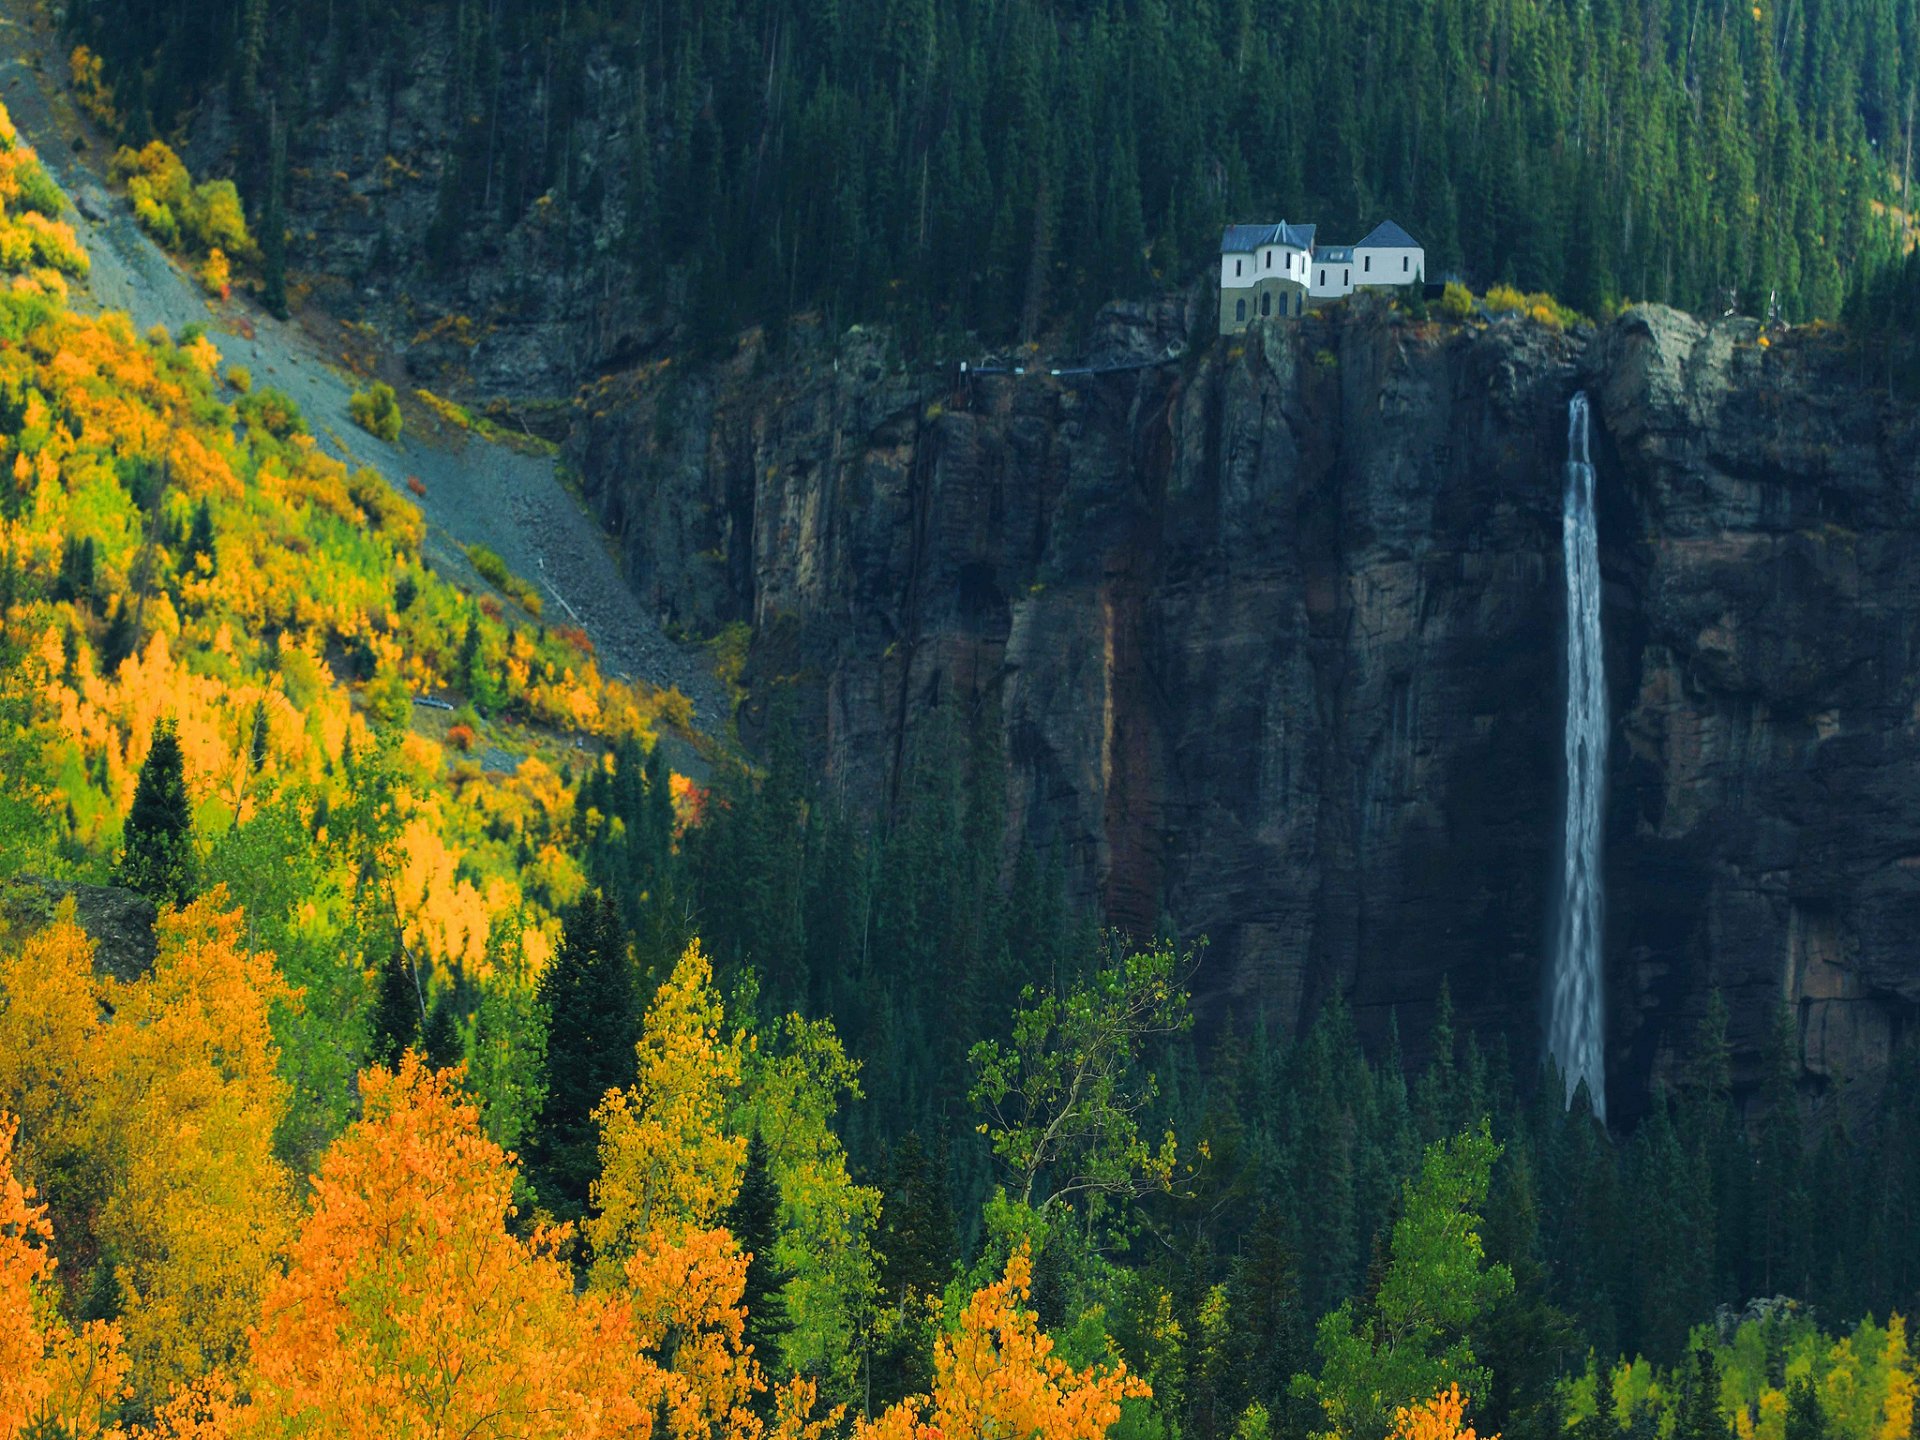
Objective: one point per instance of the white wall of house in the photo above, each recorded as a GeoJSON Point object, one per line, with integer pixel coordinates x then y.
{"type": "Point", "coordinates": [1399, 266]}
{"type": "Point", "coordinates": [1238, 271]}
{"type": "Point", "coordinates": [1279, 262]}
{"type": "Point", "coordinates": [1329, 280]}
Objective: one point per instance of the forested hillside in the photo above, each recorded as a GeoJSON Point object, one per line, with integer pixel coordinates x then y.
{"type": "Point", "coordinates": [458, 1069]}
{"type": "Point", "coordinates": [1000, 167]}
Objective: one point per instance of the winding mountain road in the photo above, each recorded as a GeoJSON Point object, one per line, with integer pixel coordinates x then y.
{"type": "Point", "coordinates": [477, 492]}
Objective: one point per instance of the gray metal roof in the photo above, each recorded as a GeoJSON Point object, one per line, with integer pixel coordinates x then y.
{"type": "Point", "coordinates": [1388, 236]}
{"type": "Point", "coordinates": [1243, 239]}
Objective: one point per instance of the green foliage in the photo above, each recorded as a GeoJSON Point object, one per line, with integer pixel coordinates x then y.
{"type": "Point", "coordinates": [1411, 1339]}
{"type": "Point", "coordinates": [156, 856]}
{"type": "Point", "coordinates": [1065, 1096]}
{"type": "Point", "coordinates": [376, 410]}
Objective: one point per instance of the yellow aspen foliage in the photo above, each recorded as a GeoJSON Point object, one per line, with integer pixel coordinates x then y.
{"type": "Point", "coordinates": [202, 1208]}
{"type": "Point", "coordinates": [52, 1065]}
{"type": "Point", "coordinates": [996, 1374]}
{"type": "Point", "coordinates": [1441, 1418]}
{"type": "Point", "coordinates": [666, 1161]}
{"type": "Point", "coordinates": [408, 1308]}
{"type": "Point", "coordinates": [442, 917]}
{"type": "Point", "coordinates": [52, 1380]}
{"type": "Point", "coordinates": [1896, 1421]}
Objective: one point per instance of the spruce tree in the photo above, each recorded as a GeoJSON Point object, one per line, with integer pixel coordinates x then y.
{"type": "Point", "coordinates": [199, 539]}
{"type": "Point", "coordinates": [754, 1222]}
{"type": "Point", "coordinates": [1700, 1417]}
{"type": "Point", "coordinates": [440, 1036]}
{"type": "Point", "coordinates": [394, 1024]}
{"type": "Point", "coordinates": [157, 851]}
{"type": "Point", "coordinates": [1805, 1419]}
{"type": "Point", "coordinates": [587, 997]}
{"type": "Point", "coordinates": [1267, 1325]}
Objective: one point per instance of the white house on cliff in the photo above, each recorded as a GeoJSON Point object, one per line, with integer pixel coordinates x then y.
{"type": "Point", "coordinates": [1279, 270]}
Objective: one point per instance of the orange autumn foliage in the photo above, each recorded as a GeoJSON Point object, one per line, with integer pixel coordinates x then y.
{"type": "Point", "coordinates": [1441, 1418]}
{"type": "Point", "coordinates": [686, 1297]}
{"type": "Point", "coordinates": [409, 1309]}
{"type": "Point", "coordinates": [52, 1380]}
{"type": "Point", "coordinates": [997, 1375]}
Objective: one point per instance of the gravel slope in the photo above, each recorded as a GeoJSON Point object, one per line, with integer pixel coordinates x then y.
{"type": "Point", "coordinates": [477, 492]}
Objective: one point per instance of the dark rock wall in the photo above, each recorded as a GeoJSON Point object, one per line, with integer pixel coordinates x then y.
{"type": "Point", "coordinates": [1273, 635]}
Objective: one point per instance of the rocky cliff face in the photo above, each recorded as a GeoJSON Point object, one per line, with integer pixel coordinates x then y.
{"type": "Point", "coordinates": [1273, 635]}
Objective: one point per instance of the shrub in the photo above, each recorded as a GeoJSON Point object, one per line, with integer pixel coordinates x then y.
{"type": "Point", "coordinates": [272, 411]}
{"type": "Point", "coordinates": [417, 485]}
{"type": "Point", "coordinates": [90, 87]}
{"type": "Point", "coordinates": [1456, 301]}
{"type": "Point", "coordinates": [491, 567]}
{"type": "Point", "coordinates": [240, 378]}
{"type": "Point", "coordinates": [377, 411]}
{"type": "Point", "coordinates": [174, 209]}
{"type": "Point", "coordinates": [385, 510]}
{"type": "Point", "coordinates": [460, 737]}
{"type": "Point", "coordinates": [494, 570]}
{"type": "Point", "coordinates": [1504, 299]}
{"type": "Point", "coordinates": [217, 275]}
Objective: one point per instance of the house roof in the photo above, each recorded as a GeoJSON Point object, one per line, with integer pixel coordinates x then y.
{"type": "Point", "coordinates": [1334, 254]}
{"type": "Point", "coordinates": [1243, 239]}
{"type": "Point", "coordinates": [1388, 236]}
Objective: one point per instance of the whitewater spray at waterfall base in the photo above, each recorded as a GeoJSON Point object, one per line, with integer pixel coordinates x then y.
{"type": "Point", "coordinates": [1575, 1027]}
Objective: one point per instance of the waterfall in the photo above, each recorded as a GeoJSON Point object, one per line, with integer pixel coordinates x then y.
{"type": "Point", "coordinates": [1575, 1034]}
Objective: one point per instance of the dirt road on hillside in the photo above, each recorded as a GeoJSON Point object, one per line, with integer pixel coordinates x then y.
{"type": "Point", "coordinates": [476, 492]}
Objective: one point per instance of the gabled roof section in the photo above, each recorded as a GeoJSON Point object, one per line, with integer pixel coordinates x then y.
{"type": "Point", "coordinates": [1243, 239]}
{"type": "Point", "coordinates": [1388, 236]}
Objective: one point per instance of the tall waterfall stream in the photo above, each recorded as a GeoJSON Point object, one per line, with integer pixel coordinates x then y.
{"type": "Point", "coordinates": [1575, 1029]}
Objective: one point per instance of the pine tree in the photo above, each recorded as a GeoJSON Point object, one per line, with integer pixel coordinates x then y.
{"type": "Point", "coordinates": [587, 997]}
{"type": "Point", "coordinates": [157, 852]}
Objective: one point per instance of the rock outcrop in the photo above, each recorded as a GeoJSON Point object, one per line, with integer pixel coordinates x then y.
{"type": "Point", "coordinates": [118, 922]}
{"type": "Point", "coordinates": [1273, 635]}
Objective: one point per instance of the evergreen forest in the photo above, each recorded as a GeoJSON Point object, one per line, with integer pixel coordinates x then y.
{"type": "Point", "coordinates": [1002, 168]}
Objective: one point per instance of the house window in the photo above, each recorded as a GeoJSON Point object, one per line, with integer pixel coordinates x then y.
{"type": "Point", "coordinates": [1240, 310]}
{"type": "Point", "coordinates": [1266, 303]}
{"type": "Point", "coordinates": [1269, 260]}
{"type": "Point", "coordinates": [1236, 267]}
{"type": "Point", "coordinates": [1346, 276]}
{"type": "Point", "coordinates": [1323, 277]}
{"type": "Point", "coordinates": [1406, 263]}
{"type": "Point", "coordinates": [1366, 263]}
